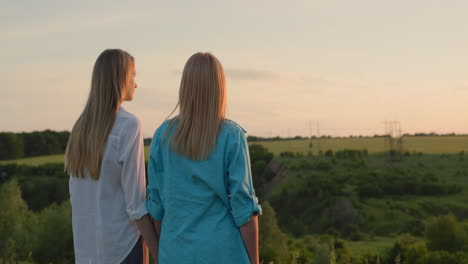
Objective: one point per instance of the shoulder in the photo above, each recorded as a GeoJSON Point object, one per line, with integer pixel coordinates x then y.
{"type": "Point", "coordinates": [233, 132]}
{"type": "Point", "coordinates": [129, 131]}
{"type": "Point", "coordinates": [162, 129]}
{"type": "Point", "coordinates": [129, 123]}
{"type": "Point", "coordinates": [127, 116]}
{"type": "Point", "coordinates": [234, 136]}
{"type": "Point", "coordinates": [233, 127]}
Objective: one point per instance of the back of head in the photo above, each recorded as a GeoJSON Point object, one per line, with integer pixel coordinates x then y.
{"type": "Point", "coordinates": [202, 105]}
{"type": "Point", "coordinates": [109, 83]}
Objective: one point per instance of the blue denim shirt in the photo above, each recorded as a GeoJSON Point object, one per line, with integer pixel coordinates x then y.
{"type": "Point", "coordinates": [201, 204]}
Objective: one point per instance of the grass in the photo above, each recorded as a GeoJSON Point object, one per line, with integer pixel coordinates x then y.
{"type": "Point", "coordinates": [427, 145]}
{"type": "Point", "coordinates": [375, 245]}
{"type": "Point", "coordinates": [58, 158]}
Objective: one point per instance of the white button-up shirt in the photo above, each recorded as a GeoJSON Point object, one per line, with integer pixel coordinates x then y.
{"type": "Point", "coordinates": [104, 210]}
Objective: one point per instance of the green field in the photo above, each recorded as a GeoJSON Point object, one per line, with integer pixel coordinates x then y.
{"type": "Point", "coordinates": [37, 160]}
{"type": "Point", "coordinates": [428, 145]}
{"type": "Point", "coordinates": [377, 244]}
{"type": "Point", "coordinates": [48, 159]}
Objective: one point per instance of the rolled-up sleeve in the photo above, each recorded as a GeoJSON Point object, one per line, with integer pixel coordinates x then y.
{"type": "Point", "coordinates": [155, 169]}
{"type": "Point", "coordinates": [243, 201]}
{"type": "Point", "coordinates": [133, 170]}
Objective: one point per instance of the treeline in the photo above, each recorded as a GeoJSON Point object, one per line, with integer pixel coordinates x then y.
{"type": "Point", "coordinates": [47, 142]}
{"type": "Point", "coordinates": [277, 138]}
{"type": "Point", "coordinates": [21, 145]}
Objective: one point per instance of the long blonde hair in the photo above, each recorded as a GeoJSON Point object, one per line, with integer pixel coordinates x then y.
{"type": "Point", "coordinates": [202, 105]}
{"type": "Point", "coordinates": [109, 84]}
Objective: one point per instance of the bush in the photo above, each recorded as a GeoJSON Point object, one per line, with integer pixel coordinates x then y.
{"type": "Point", "coordinates": [368, 190]}
{"type": "Point", "coordinates": [350, 154]}
{"type": "Point", "coordinates": [324, 165]}
{"type": "Point", "coordinates": [343, 215]}
{"type": "Point", "coordinates": [445, 233]}
{"type": "Point", "coordinates": [358, 236]}
{"type": "Point", "coordinates": [322, 254]}
{"type": "Point", "coordinates": [415, 252]}
{"type": "Point", "coordinates": [397, 250]}
{"type": "Point", "coordinates": [287, 154]}
{"type": "Point", "coordinates": [299, 155]}
{"type": "Point", "coordinates": [259, 152]}
{"type": "Point", "coordinates": [301, 164]}
{"type": "Point", "coordinates": [444, 257]}
{"type": "Point", "coordinates": [40, 192]}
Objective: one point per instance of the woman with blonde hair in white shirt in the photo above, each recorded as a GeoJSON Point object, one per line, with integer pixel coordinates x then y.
{"type": "Point", "coordinates": [105, 160]}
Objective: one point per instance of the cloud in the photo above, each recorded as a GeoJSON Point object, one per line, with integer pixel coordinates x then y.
{"type": "Point", "coordinates": [252, 75]}
{"type": "Point", "coordinates": [245, 74]}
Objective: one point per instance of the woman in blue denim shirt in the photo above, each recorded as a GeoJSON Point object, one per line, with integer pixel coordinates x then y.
{"type": "Point", "coordinates": [200, 190]}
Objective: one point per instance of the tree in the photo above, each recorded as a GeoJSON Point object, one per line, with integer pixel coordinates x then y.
{"type": "Point", "coordinates": [11, 146]}
{"type": "Point", "coordinates": [13, 210]}
{"type": "Point", "coordinates": [54, 226]}
{"type": "Point", "coordinates": [445, 233]}
{"type": "Point", "coordinates": [415, 252]}
{"type": "Point", "coordinates": [273, 242]}
{"type": "Point", "coordinates": [261, 172]}
{"type": "Point", "coordinates": [259, 176]}
{"type": "Point", "coordinates": [343, 214]}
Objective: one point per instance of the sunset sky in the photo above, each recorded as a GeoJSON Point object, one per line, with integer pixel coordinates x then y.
{"type": "Point", "coordinates": [349, 65]}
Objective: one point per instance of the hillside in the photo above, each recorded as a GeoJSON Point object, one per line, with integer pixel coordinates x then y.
{"type": "Point", "coordinates": [356, 206]}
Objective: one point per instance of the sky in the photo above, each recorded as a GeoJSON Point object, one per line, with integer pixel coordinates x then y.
{"type": "Point", "coordinates": [292, 66]}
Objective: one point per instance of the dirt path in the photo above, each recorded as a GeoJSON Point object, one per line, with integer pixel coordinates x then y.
{"type": "Point", "coordinates": [278, 169]}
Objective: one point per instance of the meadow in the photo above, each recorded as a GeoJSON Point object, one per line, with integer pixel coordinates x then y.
{"type": "Point", "coordinates": [424, 144]}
